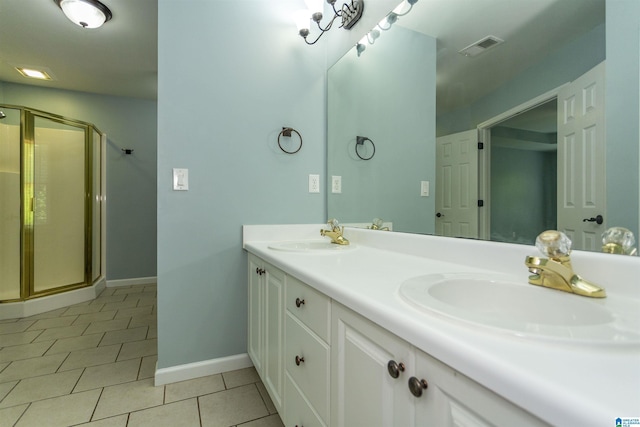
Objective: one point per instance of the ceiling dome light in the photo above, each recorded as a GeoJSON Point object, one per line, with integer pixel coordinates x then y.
{"type": "Point", "coordinates": [86, 13]}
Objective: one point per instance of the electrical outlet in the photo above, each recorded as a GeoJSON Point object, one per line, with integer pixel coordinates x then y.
{"type": "Point", "coordinates": [336, 184]}
{"type": "Point", "coordinates": [314, 183]}
{"type": "Point", "coordinates": [424, 188]}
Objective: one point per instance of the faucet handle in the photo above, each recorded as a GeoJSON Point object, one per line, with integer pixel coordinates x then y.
{"type": "Point", "coordinates": [618, 240]}
{"type": "Point", "coordinates": [334, 224]}
{"type": "Point", "coordinates": [553, 243]}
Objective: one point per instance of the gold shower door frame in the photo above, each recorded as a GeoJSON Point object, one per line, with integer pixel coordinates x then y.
{"type": "Point", "coordinates": [92, 202]}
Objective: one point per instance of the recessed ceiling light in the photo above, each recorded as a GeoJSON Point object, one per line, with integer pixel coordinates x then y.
{"type": "Point", "coordinates": [34, 74]}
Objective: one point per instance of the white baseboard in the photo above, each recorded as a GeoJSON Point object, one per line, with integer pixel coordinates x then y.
{"type": "Point", "coordinates": [131, 282]}
{"type": "Point", "coordinates": [201, 369]}
{"type": "Point", "coordinates": [20, 309]}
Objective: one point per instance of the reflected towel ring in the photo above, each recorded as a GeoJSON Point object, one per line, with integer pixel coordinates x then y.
{"type": "Point", "coordinates": [360, 141]}
{"type": "Point", "coordinates": [287, 132]}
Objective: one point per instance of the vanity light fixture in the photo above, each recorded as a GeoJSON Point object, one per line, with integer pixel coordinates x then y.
{"type": "Point", "coordinates": [393, 16]}
{"type": "Point", "coordinates": [85, 13]}
{"type": "Point", "coordinates": [385, 24]}
{"type": "Point", "coordinates": [349, 14]}
{"type": "Point", "coordinates": [33, 74]}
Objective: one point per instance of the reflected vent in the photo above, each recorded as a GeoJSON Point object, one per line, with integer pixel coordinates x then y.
{"type": "Point", "coordinates": [481, 46]}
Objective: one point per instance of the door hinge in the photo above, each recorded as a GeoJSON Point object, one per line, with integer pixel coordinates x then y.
{"type": "Point", "coordinates": [480, 203]}
{"type": "Point", "coordinates": [480, 145]}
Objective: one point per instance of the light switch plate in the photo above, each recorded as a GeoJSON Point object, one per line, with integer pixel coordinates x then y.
{"type": "Point", "coordinates": [180, 179]}
{"type": "Point", "coordinates": [424, 188]}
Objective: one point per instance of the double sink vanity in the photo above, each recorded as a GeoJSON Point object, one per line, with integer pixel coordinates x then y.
{"type": "Point", "coordinates": [410, 330]}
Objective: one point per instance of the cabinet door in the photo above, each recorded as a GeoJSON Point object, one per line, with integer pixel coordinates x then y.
{"type": "Point", "coordinates": [452, 399]}
{"type": "Point", "coordinates": [274, 334]}
{"type": "Point", "coordinates": [255, 344]}
{"type": "Point", "coordinates": [363, 393]}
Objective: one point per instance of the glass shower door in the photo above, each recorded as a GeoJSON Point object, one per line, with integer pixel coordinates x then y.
{"type": "Point", "coordinates": [58, 199]}
{"type": "Point", "coordinates": [10, 204]}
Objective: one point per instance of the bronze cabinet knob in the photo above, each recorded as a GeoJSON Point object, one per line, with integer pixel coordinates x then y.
{"type": "Point", "coordinates": [395, 368]}
{"type": "Point", "coordinates": [416, 386]}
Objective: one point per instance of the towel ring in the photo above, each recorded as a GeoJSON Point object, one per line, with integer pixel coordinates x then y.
{"type": "Point", "coordinates": [287, 132]}
{"type": "Point", "coordinates": [360, 141]}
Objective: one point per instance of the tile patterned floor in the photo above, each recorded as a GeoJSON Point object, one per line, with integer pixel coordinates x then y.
{"type": "Point", "coordinates": [92, 364]}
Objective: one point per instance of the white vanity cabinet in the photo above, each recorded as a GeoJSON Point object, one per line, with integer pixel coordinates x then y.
{"type": "Point", "coordinates": [266, 326]}
{"type": "Point", "coordinates": [326, 365]}
{"type": "Point", "coordinates": [455, 400]}
{"type": "Point", "coordinates": [307, 355]}
{"type": "Point", "coordinates": [380, 380]}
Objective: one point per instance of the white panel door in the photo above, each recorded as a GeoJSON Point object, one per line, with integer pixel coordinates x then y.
{"type": "Point", "coordinates": [457, 184]}
{"type": "Point", "coordinates": [581, 162]}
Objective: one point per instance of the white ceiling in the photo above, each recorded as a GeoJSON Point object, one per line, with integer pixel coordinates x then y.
{"type": "Point", "coordinates": [120, 58]}
{"type": "Point", "coordinates": [531, 29]}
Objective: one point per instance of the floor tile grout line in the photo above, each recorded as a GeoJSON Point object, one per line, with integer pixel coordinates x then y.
{"type": "Point", "coordinates": [96, 405]}
{"type": "Point", "coordinates": [22, 414]}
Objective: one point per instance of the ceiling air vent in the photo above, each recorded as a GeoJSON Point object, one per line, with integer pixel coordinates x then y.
{"type": "Point", "coordinates": [481, 46]}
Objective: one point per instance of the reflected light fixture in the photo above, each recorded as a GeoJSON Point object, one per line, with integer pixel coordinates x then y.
{"type": "Point", "coordinates": [349, 15]}
{"type": "Point", "coordinates": [85, 13]}
{"type": "Point", "coordinates": [393, 16]}
{"type": "Point", "coordinates": [385, 24]}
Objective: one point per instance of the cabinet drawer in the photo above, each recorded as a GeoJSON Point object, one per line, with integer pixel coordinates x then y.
{"type": "Point", "coordinates": [299, 411]}
{"type": "Point", "coordinates": [310, 306]}
{"type": "Point", "coordinates": [312, 373]}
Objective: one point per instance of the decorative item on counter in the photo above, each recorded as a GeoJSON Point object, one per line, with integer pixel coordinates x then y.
{"type": "Point", "coordinates": [619, 240]}
{"type": "Point", "coordinates": [286, 132]}
{"type": "Point", "coordinates": [557, 272]}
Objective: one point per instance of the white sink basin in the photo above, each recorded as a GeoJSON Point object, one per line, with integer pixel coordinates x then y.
{"type": "Point", "coordinates": [522, 309]}
{"type": "Point", "coordinates": [310, 246]}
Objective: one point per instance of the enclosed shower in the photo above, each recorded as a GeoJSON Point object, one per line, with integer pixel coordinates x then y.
{"type": "Point", "coordinates": [51, 204]}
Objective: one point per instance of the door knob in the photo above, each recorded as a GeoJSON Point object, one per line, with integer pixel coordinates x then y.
{"type": "Point", "coordinates": [299, 360]}
{"type": "Point", "coordinates": [598, 219]}
{"type": "Point", "coordinates": [439, 215]}
{"type": "Point", "coordinates": [299, 302]}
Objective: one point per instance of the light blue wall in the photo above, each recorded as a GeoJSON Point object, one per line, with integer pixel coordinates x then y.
{"type": "Point", "coordinates": [558, 68]}
{"type": "Point", "coordinates": [231, 74]}
{"type": "Point", "coordinates": [131, 180]}
{"type": "Point", "coordinates": [523, 186]}
{"type": "Point", "coordinates": [623, 113]}
{"type": "Point", "coordinates": [388, 95]}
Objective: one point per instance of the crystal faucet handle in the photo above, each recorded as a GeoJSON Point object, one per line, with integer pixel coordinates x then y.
{"type": "Point", "coordinates": [333, 223]}
{"type": "Point", "coordinates": [553, 243]}
{"type": "Point", "coordinates": [618, 240]}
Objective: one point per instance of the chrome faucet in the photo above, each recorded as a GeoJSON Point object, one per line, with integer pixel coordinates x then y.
{"type": "Point", "coordinates": [556, 271]}
{"type": "Point", "coordinates": [335, 233]}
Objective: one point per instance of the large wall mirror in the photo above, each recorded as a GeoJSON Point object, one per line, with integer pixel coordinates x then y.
{"type": "Point", "coordinates": [408, 105]}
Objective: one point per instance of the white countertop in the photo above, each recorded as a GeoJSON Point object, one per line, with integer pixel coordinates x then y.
{"type": "Point", "coordinates": [561, 383]}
